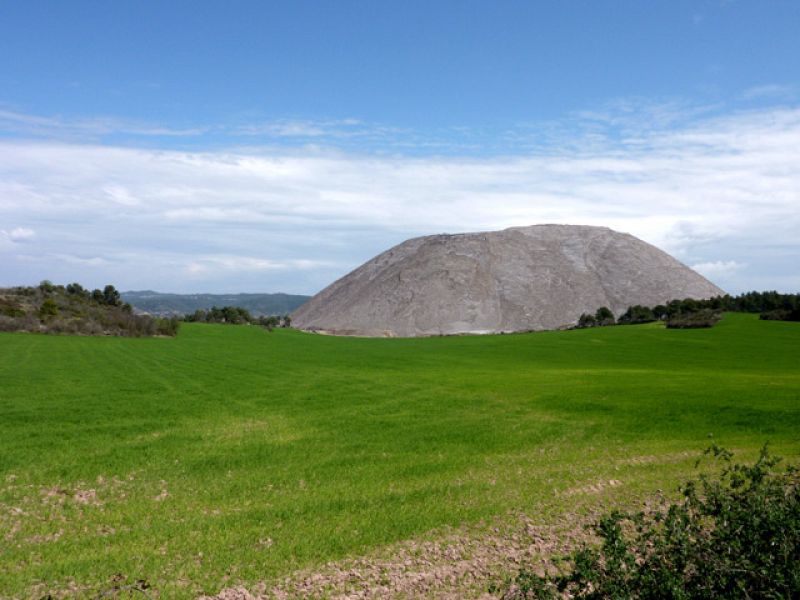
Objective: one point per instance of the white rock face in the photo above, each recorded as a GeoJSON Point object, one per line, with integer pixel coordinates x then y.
{"type": "Point", "coordinates": [519, 279]}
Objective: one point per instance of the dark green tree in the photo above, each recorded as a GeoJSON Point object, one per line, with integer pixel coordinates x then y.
{"type": "Point", "coordinates": [636, 314]}
{"type": "Point", "coordinates": [604, 316]}
{"type": "Point", "coordinates": [111, 296]}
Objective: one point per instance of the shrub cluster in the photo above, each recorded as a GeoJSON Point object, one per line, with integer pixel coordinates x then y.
{"type": "Point", "coordinates": [235, 315]}
{"type": "Point", "coordinates": [602, 317]}
{"type": "Point", "coordinates": [736, 536]}
{"type": "Point", "coordinates": [705, 317]}
{"type": "Point", "coordinates": [73, 309]}
{"type": "Point", "coordinates": [781, 314]}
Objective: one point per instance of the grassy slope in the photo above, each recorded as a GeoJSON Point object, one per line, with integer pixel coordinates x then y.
{"type": "Point", "coordinates": [281, 450]}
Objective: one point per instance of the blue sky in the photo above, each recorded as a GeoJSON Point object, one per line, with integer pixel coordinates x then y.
{"type": "Point", "coordinates": [260, 146]}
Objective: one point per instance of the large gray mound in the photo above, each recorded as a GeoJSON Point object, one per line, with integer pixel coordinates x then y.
{"type": "Point", "coordinates": [519, 279]}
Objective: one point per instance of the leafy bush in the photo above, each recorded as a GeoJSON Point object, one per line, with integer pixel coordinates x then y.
{"type": "Point", "coordinates": [168, 326]}
{"type": "Point", "coordinates": [637, 314]}
{"type": "Point", "coordinates": [10, 309]}
{"type": "Point", "coordinates": [781, 314]}
{"type": "Point", "coordinates": [604, 316]}
{"type": "Point", "coordinates": [705, 317]}
{"type": "Point", "coordinates": [736, 536]}
{"type": "Point", "coordinates": [76, 289]}
{"type": "Point", "coordinates": [48, 309]}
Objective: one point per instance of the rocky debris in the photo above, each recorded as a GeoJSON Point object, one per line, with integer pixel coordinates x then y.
{"type": "Point", "coordinates": [519, 279]}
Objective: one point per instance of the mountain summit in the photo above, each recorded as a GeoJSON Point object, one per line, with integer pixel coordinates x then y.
{"type": "Point", "coordinates": [519, 279]}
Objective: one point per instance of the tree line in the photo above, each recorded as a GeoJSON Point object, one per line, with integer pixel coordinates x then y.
{"type": "Point", "coordinates": [236, 315]}
{"type": "Point", "coordinates": [691, 313]}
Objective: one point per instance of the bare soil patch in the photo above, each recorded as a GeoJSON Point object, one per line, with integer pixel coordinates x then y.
{"type": "Point", "coordinates": [460, 565]}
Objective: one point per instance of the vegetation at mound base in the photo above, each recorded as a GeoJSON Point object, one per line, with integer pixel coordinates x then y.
{"type": "Point", "coordinates": [693, 314]}
{"type": "Point", "coordinates": [50, 308]}
{"type": "Point", "coordinates": [735, 536]}
{"type": "Point", "coordinates": [229, 454]}
{"type": "Point", "coordinates": [236, 315]}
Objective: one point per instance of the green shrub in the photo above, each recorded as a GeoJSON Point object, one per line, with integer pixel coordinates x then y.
{"type": "Point", "coordinates": [637, 314]}
{"type": "Point", "coordinates": [705, 317]}
{"type": "Point", "coordinates": [48, 309]}
{"type": "Point", "coordinates": [604, 316]}
{"type": "Point", "coordinates": [167, 326]}
{"type": "Point", "coordinates": [11, 310]}
{"type": "Point", "coordinates": [781, 314]}
{"type": "Point", "coordinates": [736, 536]}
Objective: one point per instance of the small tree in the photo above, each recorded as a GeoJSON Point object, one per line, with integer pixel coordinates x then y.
{"type": "Point", "coordinates": [586, 320]}
{"type": "Point", "coordinates": [111, 296]}
{"type": "Point", "coordinates": [75, 289]}
{"type": "Point", "coordinates": [604, 316]}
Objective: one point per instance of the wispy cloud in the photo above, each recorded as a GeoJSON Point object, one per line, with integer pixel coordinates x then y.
{"type": "Point", "coordinates": [718, 268]}
{"type": "Point", "coordinates": [721, 192]}
{"type": "Point", "coordinates": [235, 264]}
{"type": "Point", "coordinates": [769, 91]}
{"type": "Point", "coordinates": [306, 128]}
{"type": "Point", "coordinates": [49, 126]}
{"type": "Point", "coordinates": [18, 234]}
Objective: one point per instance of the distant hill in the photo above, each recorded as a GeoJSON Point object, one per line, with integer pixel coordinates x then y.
{"type": "Point", "coordinates": [156, 303]}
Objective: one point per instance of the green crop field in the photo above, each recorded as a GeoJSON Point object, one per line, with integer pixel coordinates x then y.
{"type": "Point", "coordinates": [232, 454]}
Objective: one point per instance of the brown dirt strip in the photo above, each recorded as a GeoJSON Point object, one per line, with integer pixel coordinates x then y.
{"type": "Point", "coordinates": [458, 566]}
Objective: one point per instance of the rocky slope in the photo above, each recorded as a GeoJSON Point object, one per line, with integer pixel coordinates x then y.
{"type": "Point", "coordinates": [519, 279]}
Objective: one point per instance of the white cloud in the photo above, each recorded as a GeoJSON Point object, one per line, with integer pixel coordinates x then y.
{"type": "Point", "coordinates": [19, 234]}
{"type": "Point", "coordinates": [722, 193]}
{"type": "Point", "coordinates": [718, 268]}
{"type": "Point", "coordinates": [121, 195]}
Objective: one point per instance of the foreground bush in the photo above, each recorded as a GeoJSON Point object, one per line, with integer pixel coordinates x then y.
{"type": "Point", "coordinates": [737, 536]}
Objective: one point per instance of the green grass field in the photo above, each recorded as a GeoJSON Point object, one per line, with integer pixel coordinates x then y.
{"type": "Point", "coordinates": [233, 454]}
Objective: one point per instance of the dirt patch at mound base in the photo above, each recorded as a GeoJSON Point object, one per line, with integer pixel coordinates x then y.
{"type": "Point", "coordinates": [458, 566]}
